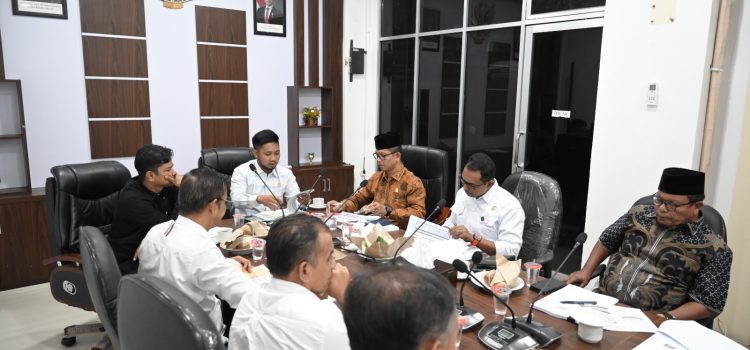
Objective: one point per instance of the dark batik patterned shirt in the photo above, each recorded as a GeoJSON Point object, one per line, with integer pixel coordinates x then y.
{"type": "Point", "coordinates": [656, 268]}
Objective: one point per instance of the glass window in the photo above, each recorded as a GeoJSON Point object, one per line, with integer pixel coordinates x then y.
{"type": "Point", "coordinates": [490, 95]}
{"type": "Point", "coordinates": [397, 87]}
{"type": "Point", "coordinates": [544, 6]}
{"type": "Point", "coordinates": [482, 12]}
{"type": "Point", "coordinates": [398, 17]}
{"type": "Point", "coordinates": [439, 85]}
{"type": "Point", "coordinates": [441, 14]}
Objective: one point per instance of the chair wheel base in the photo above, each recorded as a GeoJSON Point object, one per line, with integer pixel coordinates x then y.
{"type": "Point", "coordinates": [68, 341]}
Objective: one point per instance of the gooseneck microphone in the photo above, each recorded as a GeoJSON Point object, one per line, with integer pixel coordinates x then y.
{"type": "Point", "coordinates": [361, 184]}
{"type": "Point", "coordinates": [546, 335]}
{"type": "Point", "coordinates": [498, 335]}
{"type": "Point", "coordinates": [320, 174]}
{"type": "Point", "coordinates": [255, 170]}
{"type": "Point", "coordinates": [438, 207]}
{"type": "Point", "coordinates": [476, 258]}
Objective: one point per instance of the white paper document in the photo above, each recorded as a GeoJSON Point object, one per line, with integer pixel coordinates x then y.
{"type": "Point", "coordinates": [675, 334]}
{"type": "Point", "coordinates": [552, 305]}
{"type": "Point", "coordinates": [352, 218]}
{"type": "Point", "coordinates": [429, 231]}
{"type": "Point", "coordinates": [270, 215]}
{"type": "Point", "coordinates": [629, 319]}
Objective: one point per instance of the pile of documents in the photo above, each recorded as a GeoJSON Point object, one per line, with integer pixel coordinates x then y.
{"type": "Point", "coordinates": [687, 335]}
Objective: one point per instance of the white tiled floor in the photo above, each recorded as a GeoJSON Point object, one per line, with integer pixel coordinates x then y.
{"type": "Point", "coordinates": [30, 318]}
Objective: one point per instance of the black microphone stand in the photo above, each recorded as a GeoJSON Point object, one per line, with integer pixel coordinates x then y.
{"type": "Point", "coordinates": [473, 317]}
{"type": "Point", "coordinates": [255, 170]}
{"type": "Point", "coordinates": [320, 174]}
{"type": "Point", "coordinates": [439, 206]}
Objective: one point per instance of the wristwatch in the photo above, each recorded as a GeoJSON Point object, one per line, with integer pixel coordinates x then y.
{"type": "Point", "coordinates": [475, 241]}
{"type": "Point", "coordinates": [388, 210]}
{"type": "Point", "coordinates": [668, 315]}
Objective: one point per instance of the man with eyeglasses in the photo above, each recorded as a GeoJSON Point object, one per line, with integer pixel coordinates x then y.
{"type": "Point", "coordinates": [485, 214]}
{"type": "Point", "coordinates": [394, 192]}
{"type": "Point", "coordinates": [663, 256]}
{"type": "Point", "coordinates": [182, 253]}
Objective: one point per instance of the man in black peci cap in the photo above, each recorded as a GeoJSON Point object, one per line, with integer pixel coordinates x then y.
{"type": "Point", "coordinates": [663, 256]}
{"type": "Point", "coordinates": [394, 192]}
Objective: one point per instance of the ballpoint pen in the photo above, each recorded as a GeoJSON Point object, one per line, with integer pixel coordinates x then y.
{"type": "Point", "coordinates": [576, 302]}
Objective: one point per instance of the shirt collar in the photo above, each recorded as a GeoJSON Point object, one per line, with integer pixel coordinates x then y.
{"type": "Point", "coordinates": [192, 225]}
{"type": "Point", "coordinates": [692, 226]}
{"type": "Point", "coordinates": [398, 172]}
{"type": "Point", "coordinates": [274, 172]}
{"type": "Point", "coordinates": [490, 195]}
{"type": "Point", "coordinates": [290, 287]}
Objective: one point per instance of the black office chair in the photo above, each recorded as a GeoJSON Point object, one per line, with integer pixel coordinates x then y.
{"type": "Point", "coordinates": [223, 160]}
{"type": "Point", "coordinates": [711, 217]}
{"type": "Point", "coordinates": [102, 278]}
{"type": "Point", "coordinates": [153, 314]}
{"type": "Point", "coordinates": [541, 199]}
{"type": "Point", "coordinates": [430, 165]}
{"type": "Point", "coordinates": [78, 195]}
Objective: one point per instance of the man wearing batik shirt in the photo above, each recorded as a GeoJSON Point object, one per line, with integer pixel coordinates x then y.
{"type": "Point", "coordinates": [663, 256]}
{"type": "Point", "coordinates": [394, 192]}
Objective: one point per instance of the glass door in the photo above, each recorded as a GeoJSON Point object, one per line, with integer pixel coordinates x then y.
{"type": "Point", "coordinates": [557, 115]}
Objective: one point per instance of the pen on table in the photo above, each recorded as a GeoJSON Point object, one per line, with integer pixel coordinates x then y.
{"type": "Point", "coordinates": [578, 302]}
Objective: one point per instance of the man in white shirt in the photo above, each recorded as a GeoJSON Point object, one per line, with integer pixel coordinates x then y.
{"type": "Point", "coordinates": [401, 307]}
{"type": "Point", "coordinates": [293, 310]}
{"type": "Point", "coordinates": [249, 192]}
{"type": "Point", "coordinates": [484, 213]}
{"type": "Point", "coordinates": [181, 252]}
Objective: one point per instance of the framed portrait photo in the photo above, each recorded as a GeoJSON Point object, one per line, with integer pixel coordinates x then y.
{"type": "Point", "coordinates": [41, 8]}
{"type": "Point", "coordinates": [270, 17]}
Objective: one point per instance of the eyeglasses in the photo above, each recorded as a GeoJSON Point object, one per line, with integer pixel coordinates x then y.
{"type": "Point", "coordinates": [671, 206]}
{"type": "Point", "coordinates": [469, 184]}
{"type": "Point", "coordinates": [381, 156]}
{"type": "Point", "coordinates": [228, 202]}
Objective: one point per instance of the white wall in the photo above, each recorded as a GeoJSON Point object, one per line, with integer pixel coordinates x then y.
{"type": "Point", "coordinates": [362, 25]}
{"type": "Point", "coordinates": [47, 56]}
{"type": "Point", "coordinates": [632, 143]}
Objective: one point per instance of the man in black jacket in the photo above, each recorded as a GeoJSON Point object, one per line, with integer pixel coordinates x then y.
{"type": "Point", "coordinates": [147, 200]}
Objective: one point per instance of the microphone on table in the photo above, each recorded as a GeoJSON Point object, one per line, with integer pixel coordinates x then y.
{"type": "Point", "coordinates": [499, 335]}
{"type": "Point", "coordinates": [546, 335]}
{"type": "Point", "coordinates": [472, 316]}
{"type": "Point", "coordinates": [361, 184]}
{"type": "Point", "coordinates": [438, 208]}
{"type": "Point", "coordinates": [255, 170]}
{"type": "Point", "coordinates": [320, 174]}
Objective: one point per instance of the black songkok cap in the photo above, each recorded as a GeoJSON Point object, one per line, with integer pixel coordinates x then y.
{"type": "Point", "coordinates": [387, 140]}
{"type": "Point", "coordinates": [681, 181]}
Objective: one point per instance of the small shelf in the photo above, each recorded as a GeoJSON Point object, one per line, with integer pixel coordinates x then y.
{"type": "Point", "coordinates": [11, 136]}
{"type": "Point", "coordinates": [315, 127]}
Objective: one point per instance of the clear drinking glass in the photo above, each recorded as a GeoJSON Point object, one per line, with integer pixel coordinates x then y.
{"type": "Point", "coordinates": [461, 322]}
{"type": "Point", "coordinates": [503, 292]}
{"type": "Point", "coordinates": [259, 244]}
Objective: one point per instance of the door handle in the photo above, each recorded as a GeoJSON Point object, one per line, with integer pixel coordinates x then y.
{"type": "Point", "coordinates": [517, 150]}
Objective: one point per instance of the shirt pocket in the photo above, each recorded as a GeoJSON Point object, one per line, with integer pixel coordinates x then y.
{"type": "Point", "coordinates": [488, 225]}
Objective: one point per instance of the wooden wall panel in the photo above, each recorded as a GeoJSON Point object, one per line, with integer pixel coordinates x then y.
{"type": "Point", "coordinates": [225, 133]}
{"type": "Point", "coordinates": [313, 49]}
{"type": "Point", "coordinates": [114, 57]}
{"type": "Point", "coordinates": [223, 99]}
{"type": "Point", "coordinates": [222, 63]}
{"type": "Point", "coordinates": [299, 43]}
{"type": "Point", "coordinates": [119, 17]}
{"type": "Point", "coordinates": [117, 98]}
{"type": "Point", "coordinates": [333, 39]}
{"type": "Point", "coordinates": [218, 25]}
{"type": "Point", "coordinates": [111, 139]}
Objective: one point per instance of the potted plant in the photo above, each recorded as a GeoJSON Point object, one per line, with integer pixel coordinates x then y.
{"type": "Point", "coordinates": [311, 115]}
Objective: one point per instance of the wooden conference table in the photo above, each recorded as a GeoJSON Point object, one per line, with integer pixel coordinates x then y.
{"type": "Point", "coordinates": [519, 301]}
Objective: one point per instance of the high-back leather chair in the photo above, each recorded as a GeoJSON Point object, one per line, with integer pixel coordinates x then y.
{"type": "Point", "coordinates": [541, 200]}
{"type": "Point", "coordinates": [102, 278]}
{"type": "Point", "coordinates": [430, 165]}
{"type": "Point", "coordinates": [223, 160]}
{"type": "Point", "coordinates": [78, 195]}
{"type": "Point", "coordinates": [153, 314]}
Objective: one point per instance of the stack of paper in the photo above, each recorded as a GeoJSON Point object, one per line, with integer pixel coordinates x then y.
{"type": "Point", "coordinates": [674, 334]}
{"type": "Point", "coordinates": [270, 215]}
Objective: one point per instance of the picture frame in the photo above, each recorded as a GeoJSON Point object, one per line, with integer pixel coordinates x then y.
{"type": "Point", "coordinates": [41, 8]}
{"type": "Point", "coordinates": [270, 18]}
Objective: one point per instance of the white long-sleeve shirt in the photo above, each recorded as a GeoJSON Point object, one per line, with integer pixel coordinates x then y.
{"type": "Point", "coordinates": [181, 253]}
{"type": "Point", "coordinates": [286, 315]}
{"type": "Point", "coordinates": [246, 186]}
{"type": "Point", "coordinates": [497, 215]}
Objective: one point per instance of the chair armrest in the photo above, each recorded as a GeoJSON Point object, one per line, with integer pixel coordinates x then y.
{"type": "Point", "coordinates": [598, 271]}
{"type": "Point", "coordinates": [70, 257]}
